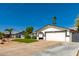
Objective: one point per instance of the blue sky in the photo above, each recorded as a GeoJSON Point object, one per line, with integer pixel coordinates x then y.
{"type": "Point", "coordinates": [19, 16]}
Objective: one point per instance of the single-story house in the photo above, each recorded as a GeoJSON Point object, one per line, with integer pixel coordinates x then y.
{"type": "Point", "coordinates": [55, 33]}
{"type": "Point", "coordinates": [19, 35]}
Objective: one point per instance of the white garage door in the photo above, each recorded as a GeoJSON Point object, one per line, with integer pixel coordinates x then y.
{"type": "Point", "coordinates": [57, 36]}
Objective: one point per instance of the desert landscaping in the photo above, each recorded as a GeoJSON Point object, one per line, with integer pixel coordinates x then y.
{"type": "Point", "coordinates": [24, 49]}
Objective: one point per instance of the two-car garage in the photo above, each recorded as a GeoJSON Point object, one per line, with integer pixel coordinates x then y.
{"type": "Point", "coordinates": [56, 36]}
{"type": "Point", "coordinates": [54, 33]}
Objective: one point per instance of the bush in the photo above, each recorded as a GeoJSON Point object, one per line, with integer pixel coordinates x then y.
{"type": "Point", "coordinates": [27, 37]}
{"type": "Point", "coordinates": [33, 37]}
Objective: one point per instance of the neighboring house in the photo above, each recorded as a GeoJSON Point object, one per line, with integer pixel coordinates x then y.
{"type": "Point", "coordinates": [7, 34]}
{"type": "Point", "coordinates": [55, 33]}
{"type": "Point", "coordinates": [19, 35]}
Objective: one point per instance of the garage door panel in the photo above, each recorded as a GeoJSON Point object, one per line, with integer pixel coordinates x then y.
{"type": "Point", "coordinates": [55, 36]}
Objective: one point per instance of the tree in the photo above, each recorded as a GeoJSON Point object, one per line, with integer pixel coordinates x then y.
{"type": "Point", "coordinates": [28, 31]}
{"type": "Point", "coordinates": [1, 37]}
{"type": "Point", "coordinates": [27, 36]}
{"type": "Point", "coordinates": [78, 29]}
{"type": "Point", "coordinates": [77, 23]}
{"type": "Point", "coordinates": [10, 31]}
{"type": "Point", "coordinates": [54, 20]}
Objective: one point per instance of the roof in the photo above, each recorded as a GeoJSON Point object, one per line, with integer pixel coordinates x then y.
{"type": "Point", "coordinates": [50, 26]}
{"type": "Point", "coordinates": [8, 32]}
{"type": "Point", "coordinates": [72, 30]}
{"type": "Point", "coordinates": [22, 32]}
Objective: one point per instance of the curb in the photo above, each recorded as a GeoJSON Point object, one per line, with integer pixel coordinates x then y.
{"type": "Point", "coordinates": [77, 53]}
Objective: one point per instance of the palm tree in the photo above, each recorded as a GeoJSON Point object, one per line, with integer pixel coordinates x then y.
{"type": "Point", "coordinates": [10, 31]}
{"type": "Point", "coordinates": [54, 20]}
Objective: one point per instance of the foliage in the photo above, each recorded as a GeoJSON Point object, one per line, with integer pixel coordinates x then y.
{"type": "Point", "coordinates": [77, 22]}
{"type": "Point", "coordinates": [1, 35]}
{"type": "Point", "coordinates": [54, 20]}
{"type": "Point", "coordinates": [10, 31]}
{"type": "Point", "coordinates": [33, 37]}
{"type": "Point", "coordinates": [28, 31]}
{"type": "Point", "coordinates": [78, 29]}
{"type": "Point", "coordinates": [25, 40]}
{"type": "Point", "coordinates": [27, 36]}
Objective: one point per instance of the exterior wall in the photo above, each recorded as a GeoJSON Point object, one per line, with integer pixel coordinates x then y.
{"type": "Point", "coordinates": [40, 35]}
{"type": "Point", "coordinates": [37, 36]}
{"type": "Point", "coordinates": [68, 36]}
{"type": "Point", "coordinates": [15, 36]}
{"type": "Point", "coordinates": [51, 29]}
{"type": "Point", "coordinates": [22, 36]}
{"type": "Point", "coordinates": [44, 38]}
{"type": "Point", "coordinates": [65, 36]}
{"type": "Point", "coordinates": [67, 39]}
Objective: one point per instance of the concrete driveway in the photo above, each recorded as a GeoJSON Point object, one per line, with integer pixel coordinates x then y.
{"type": "Point", "coordinates": [25, 49]}
{"type": "Point", "coordinates": [65, 49]}
{"type": "Point", "coordinates": [40, 48]}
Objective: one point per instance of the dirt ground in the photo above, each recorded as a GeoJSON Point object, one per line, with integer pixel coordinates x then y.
{"type": "Point", "coordinates": [24, 49]}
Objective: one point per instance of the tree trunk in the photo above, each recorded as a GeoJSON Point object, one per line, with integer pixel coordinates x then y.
{"type": "Point", "coordinates": [10, 34]}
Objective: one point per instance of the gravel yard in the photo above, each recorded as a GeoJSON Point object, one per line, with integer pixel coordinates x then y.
{"type": "Point", "coordinates": [24, 49]}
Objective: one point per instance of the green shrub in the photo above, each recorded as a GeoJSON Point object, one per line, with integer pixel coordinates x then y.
{"type": "Point", "coordinates": [27, 37]}
{"type": "Point", "coordinates": [33, 37]}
